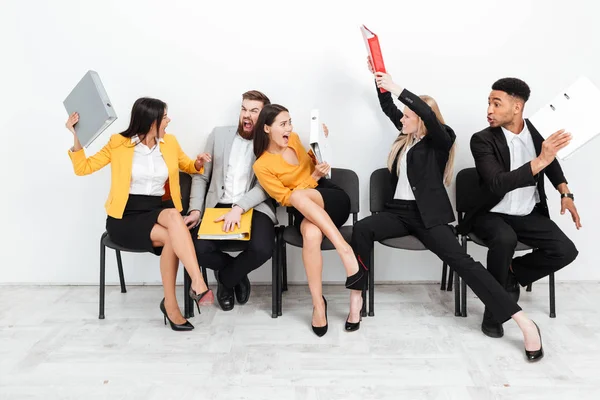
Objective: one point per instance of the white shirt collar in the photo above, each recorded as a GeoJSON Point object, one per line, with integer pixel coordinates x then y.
{"type": "Point", "coordinates": [135, 139]}
{"type": "Point", "coordinates": [523, 135]}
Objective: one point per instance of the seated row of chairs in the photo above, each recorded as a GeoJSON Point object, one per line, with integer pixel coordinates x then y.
{"type": "Point", "coordinates": [467, 190]}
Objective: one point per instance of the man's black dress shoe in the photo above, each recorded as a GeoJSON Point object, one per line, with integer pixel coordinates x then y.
{"type": "Point", "coordinates": [490, 327]}
{"type": "Point", "coordinates": [224, 295]}
{"type": "Point", "coordinates": [242, 290]}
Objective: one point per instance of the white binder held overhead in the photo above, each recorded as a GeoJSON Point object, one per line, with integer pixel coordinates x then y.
{"type": "Point", "coordinates": [318, 142]}
{"type": "Point", "coordinates": [575, 110]}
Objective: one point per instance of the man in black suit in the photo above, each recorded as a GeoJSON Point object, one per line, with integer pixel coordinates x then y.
{"type": "Point", "coordinates": [512, 158]}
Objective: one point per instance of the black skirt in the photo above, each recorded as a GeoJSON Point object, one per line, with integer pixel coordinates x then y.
{"type": "Point", "coordinates": [140, 215]}
{"type": "Point", "coordinates": [335, 200]}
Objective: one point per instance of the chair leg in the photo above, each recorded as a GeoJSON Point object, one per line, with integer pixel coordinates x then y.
{"type": "Point", "coordinates": [280, 267]}
{"type": "Point", "coordinates": [552, 296]}
{"type": "Point", "coordinates": [444, 276]}
{"type": "Point", "coordinates": [284, 278]}
{"type": "Point", "coordinates": [275, 276]}
{"type": "Point", "coordinates": [463, 296]}
{"type": "Point", "coordinates": [188, 309]}
{"type": "Point", "coordinates": [462, 288]}
{"type": "Point", "coordinates": [363, 310]}
{"type": "Point", "coordinates": [102, 276]}
{"type": "Point", "coordinates": [371, 282]}
{"type": "Point", "coordinates": [204, 276]}
{"type": "Point", "coordinates": [528, 288]}
{"type": "Point", "coordinates": [121, 276]}
{"type": "Point", "coordinates": [451, 278]}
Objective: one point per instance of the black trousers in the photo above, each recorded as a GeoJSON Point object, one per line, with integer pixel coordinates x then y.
{"type": "Point", "coordinates": [442, 242]}
{"type": "Point", "coordinates": [500, 232]}
{"type": "Point", "coordinates": [233, 269]}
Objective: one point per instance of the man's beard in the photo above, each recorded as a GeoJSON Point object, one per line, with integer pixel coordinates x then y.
{"type": "Point", "coordinates": [244, 134]}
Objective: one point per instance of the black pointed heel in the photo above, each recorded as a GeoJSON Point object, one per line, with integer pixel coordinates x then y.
{"type": "Point", "coordinates": [352, 326]}
{"type": "Point", "coordinates": [321, 330]}
{"type": "Point", "coordinates": [536, 355]}
{"type": "Point", "coordinates": [197, 297]}
{"type": "Point", "coordinates": [180, 328]}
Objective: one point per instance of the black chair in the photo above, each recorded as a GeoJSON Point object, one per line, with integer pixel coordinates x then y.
{"type": "Point", "coordinates": [105, 241]}
{"type": "Point", "coordinates": [468, 191]}
{"type": "Point", "coordinates": [229, 247]}
{"type": "Point", "coordinates": [380, 190]}
{"type": "Point", "coordinates": [348, 181]}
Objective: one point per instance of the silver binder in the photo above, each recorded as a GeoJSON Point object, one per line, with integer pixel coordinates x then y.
{"type": "Point", "coordinates": [90, 100]}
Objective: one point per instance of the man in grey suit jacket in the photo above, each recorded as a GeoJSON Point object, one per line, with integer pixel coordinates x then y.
{"type": "Point", "coordinates": [229, 182]}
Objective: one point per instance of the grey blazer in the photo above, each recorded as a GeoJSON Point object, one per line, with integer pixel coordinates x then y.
{"type": "Point", "coordinates": [219, 146]}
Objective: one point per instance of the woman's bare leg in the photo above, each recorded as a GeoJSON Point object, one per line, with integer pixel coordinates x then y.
{"type": "Point", "coordinates": [182, 245]}
{"type": "Point", "coordinates": [169, 264]}
{"type": "Point", "coordinates": [313, 264]}
{"type": "Point", "coordinates": [310, 203]}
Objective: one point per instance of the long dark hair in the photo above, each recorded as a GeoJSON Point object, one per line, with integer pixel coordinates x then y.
{"type": "Point", "coordinates": [144, 113]}
{"type": "Point", "coordinates": [266, 117]}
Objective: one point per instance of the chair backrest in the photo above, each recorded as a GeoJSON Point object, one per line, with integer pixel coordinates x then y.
{"type": "Point", "coordinates": [348, 180]}
{"type": "Point", "coordinates": [185, 186]}
{"type": "Point", "coordinates": [469, 191]}
{"type": "Point", "coordinates": [380, 189]}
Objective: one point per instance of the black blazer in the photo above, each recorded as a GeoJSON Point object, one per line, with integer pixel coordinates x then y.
{"type": "Point", "coordinates": [425, 161]}
{"type": "Point", "coordinates": [492, 160]}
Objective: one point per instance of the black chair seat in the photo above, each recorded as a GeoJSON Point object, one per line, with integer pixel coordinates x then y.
{"type": "Point", "coordinates": [293, 236]}
{"type": "Point", "coordinates": [107, 241]}
{"type": "Point", "coordinates": [475, 239]}
{"type": "Point", "coordinates": [405, 242]}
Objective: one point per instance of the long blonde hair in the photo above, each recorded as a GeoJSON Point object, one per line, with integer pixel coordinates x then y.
{"type": "Point", "coordinates": [403, 140]}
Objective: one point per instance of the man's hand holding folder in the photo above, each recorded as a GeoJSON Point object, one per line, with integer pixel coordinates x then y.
{"type": "Point", "coordinates": [231, 219]}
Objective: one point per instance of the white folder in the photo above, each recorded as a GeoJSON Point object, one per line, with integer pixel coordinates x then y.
{"type": "Point", "coordinates": [318, 142]}
{"type": "Point", "coordinates": [575, 110]}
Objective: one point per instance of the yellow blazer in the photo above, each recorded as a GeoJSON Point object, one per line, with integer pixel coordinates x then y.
{"type": "Point", "coordinates": [119, 153]}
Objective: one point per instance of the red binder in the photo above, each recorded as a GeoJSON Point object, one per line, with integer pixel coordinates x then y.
{"type": "Point", "coordinates": [372, 44]}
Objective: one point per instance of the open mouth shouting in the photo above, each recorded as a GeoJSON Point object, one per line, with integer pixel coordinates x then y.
{"type": "Point", "coordinates": [247, 125]}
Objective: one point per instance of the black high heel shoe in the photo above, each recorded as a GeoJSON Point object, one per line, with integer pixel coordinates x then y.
{"type": "Point", "coordinates": [197, 297]}
{"type": "Point", "coordinates": [352, 326]}
{"type": "Point", "coordinates": [536, 355]}
{"type": "Point", "coordinates": [183, 327]}
{"type": "Point", "coordinates": [321, 330]}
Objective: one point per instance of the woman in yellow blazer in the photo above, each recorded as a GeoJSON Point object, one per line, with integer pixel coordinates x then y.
{"type": "Point", "coordinates": [143, 160]}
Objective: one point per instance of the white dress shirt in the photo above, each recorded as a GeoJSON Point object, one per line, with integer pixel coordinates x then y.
{"type": "Point", "coordinates": [403, 189]}
{"type": "Point", "coordinates": [149, 171]}
{"type": "Point", "coordinates": [519, 201]}
{"type": "Point", "coordinates": [239, 170]}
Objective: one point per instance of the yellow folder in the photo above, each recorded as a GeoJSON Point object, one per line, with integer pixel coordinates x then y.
{"type": "Point", "coordinates": [211, 230]}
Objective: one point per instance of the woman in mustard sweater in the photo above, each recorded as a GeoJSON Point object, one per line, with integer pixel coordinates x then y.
{"type": "Point", "coordinates": [143, 159]}
{"type": "Point", "coordinates": [289, 175]}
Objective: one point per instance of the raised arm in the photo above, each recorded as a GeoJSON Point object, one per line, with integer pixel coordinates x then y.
{"type": "Point", "coordinates": [186, 164]}
{"type": "Point", "coordinates": [439, 134]}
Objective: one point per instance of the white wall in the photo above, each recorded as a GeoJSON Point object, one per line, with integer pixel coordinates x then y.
{"type": "Point", "coordinates": [200, 58]}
